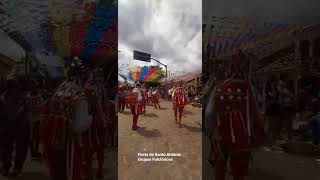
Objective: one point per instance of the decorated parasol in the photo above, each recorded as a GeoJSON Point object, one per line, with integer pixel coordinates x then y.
{"type": "Point", "coordinates": [142, 74]}
{"type": "Point", "coordinates": [86, 29]}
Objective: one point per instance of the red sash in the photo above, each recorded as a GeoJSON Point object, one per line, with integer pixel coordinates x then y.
{"type": "Point", "coordinates": [180, 97]}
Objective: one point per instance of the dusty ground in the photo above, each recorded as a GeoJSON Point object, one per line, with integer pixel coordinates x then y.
{"type": "Point", "coordinates": [35, 170]}
{"type": "Point", "coordinates": [159, 134]}
{"type": "Point", "coordinates": [274, 165]}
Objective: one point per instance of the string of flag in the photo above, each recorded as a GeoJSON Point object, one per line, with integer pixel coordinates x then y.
{"type": "Point", "coordinates": [226, 35]}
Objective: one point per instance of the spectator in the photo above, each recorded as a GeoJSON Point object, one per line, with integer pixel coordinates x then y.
{"type": "Point", "coordinates": [170, 94]}
{"type": "Point", "coordinates": [37, 105]}
{"type": "Point", "coordinates": [315, 126]}
{"type": "Point", "coordinates": [16, 126]}
{"type": "Point", "coordinates": [287, 109]}
{"type": "Point", "coordinates": [273, 123]}
{"type": "Point", "coordinates": [121, 99]}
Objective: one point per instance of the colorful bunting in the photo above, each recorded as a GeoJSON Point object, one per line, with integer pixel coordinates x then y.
{"type": "Point", "coordinates": [231, 34]}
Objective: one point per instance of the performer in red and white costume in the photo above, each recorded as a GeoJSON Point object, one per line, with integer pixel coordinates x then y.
{"type": "Point", "coordinates": [150, 100]}
{"type": "Point", "coordinates": [235, 122]}
{"type": "Point", "coordinates": [135, 104]}
{"type": "Point", "coordinates": [67, 130]}
{"type": "Point", "coordinates": [156, 96]}
{"type": "Point", "coordinates": [179, 99]}
{"type": "Point", "coordinates": [144, 100]}
{"type": "Point", "coordinates": [96, 94]}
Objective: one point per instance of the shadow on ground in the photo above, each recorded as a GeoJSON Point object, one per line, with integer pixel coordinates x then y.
{"type": "Point", "coordinates": [150, 115]}
{"type": "Point", "coordinates": [31, 176]}
{"type": "Point", "coordinates": [162, 108]}
{"type": "Point", "coordinates": [125, 113]}
{"type": "Point", "coordinates": [107, 174]}
{"type": "Point", "coordinates": [192, 128]}
{"type": "Point", "coordinates": [149, 133]}
{"type": "Point", "coordinates": [188, 113]}
{"type": "Point", "coordinates": [259, 174]}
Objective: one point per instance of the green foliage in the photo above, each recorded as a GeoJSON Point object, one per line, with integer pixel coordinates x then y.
{"type": "Point", "coordinates": [152, 84]}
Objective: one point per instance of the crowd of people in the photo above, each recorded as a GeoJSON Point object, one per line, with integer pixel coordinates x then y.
{"type": "Point", "coordinates": [283, 107]}
{"type": "Point", "coordinates": [137, 98]}
{"type": "Point", "coordinates": [149, 97]}
{"type": "Point", "coordinates": [65, 128]}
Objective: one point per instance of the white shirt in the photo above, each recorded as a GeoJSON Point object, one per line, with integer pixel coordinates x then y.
{"type": "Point", "coordinates": [154, 92]}
{"type": "Point", "coordinates": [139, 97]}
{"type": "Point", "coordinates": [173, 92]}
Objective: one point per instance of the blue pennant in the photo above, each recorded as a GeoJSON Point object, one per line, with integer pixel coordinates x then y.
{"type": "Point", "coordinates": [143, 74]}
{"type": "Point", "coordinates": [104, 16]}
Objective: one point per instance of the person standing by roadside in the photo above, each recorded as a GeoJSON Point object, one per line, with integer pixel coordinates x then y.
{"type": "Point", "coordinates": [314, 123]}
{"type": "Point", "coordinates": [287, 109]}
{"type": "Point", "coordinates": [273, 123]}
{"type": "Point", "coordinates": [15, 115]}
{"type": "Point", "coordinates": [121, 98]}
{"type": "Point", "coordinates": [170, 94]}
{"type": "Point", "coordinates": [37, 105]}
{"type": "Point", "coordinates": [128, 96]}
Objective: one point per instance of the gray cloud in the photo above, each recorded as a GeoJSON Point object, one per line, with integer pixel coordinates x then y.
{"type": "Point", "coordinates": [169, 30]}
{"type": "Point", "coordinates": [286, 11]}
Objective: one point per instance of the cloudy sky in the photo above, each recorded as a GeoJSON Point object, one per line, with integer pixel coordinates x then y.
{"type": "Point", "coordinates": [286, 11]}
{"type": "Point", "coordinates": [169, 30]}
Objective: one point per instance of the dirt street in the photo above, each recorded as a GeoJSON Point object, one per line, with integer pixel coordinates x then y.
{"type": "Point", "coordinates": [160, 134]}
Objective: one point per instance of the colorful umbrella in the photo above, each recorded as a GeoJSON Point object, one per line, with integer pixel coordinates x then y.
{"type": "Point", "coordinates": [87, 29]}
{"type": "Point", "coordinates": [145, 74]}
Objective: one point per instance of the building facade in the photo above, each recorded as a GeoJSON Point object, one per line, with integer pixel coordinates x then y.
{"type": "Point", "coordinates": [194, 83]}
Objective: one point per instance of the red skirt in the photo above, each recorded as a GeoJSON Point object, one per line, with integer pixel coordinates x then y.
{"type": "Point", "coordinates": [67, 154]}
